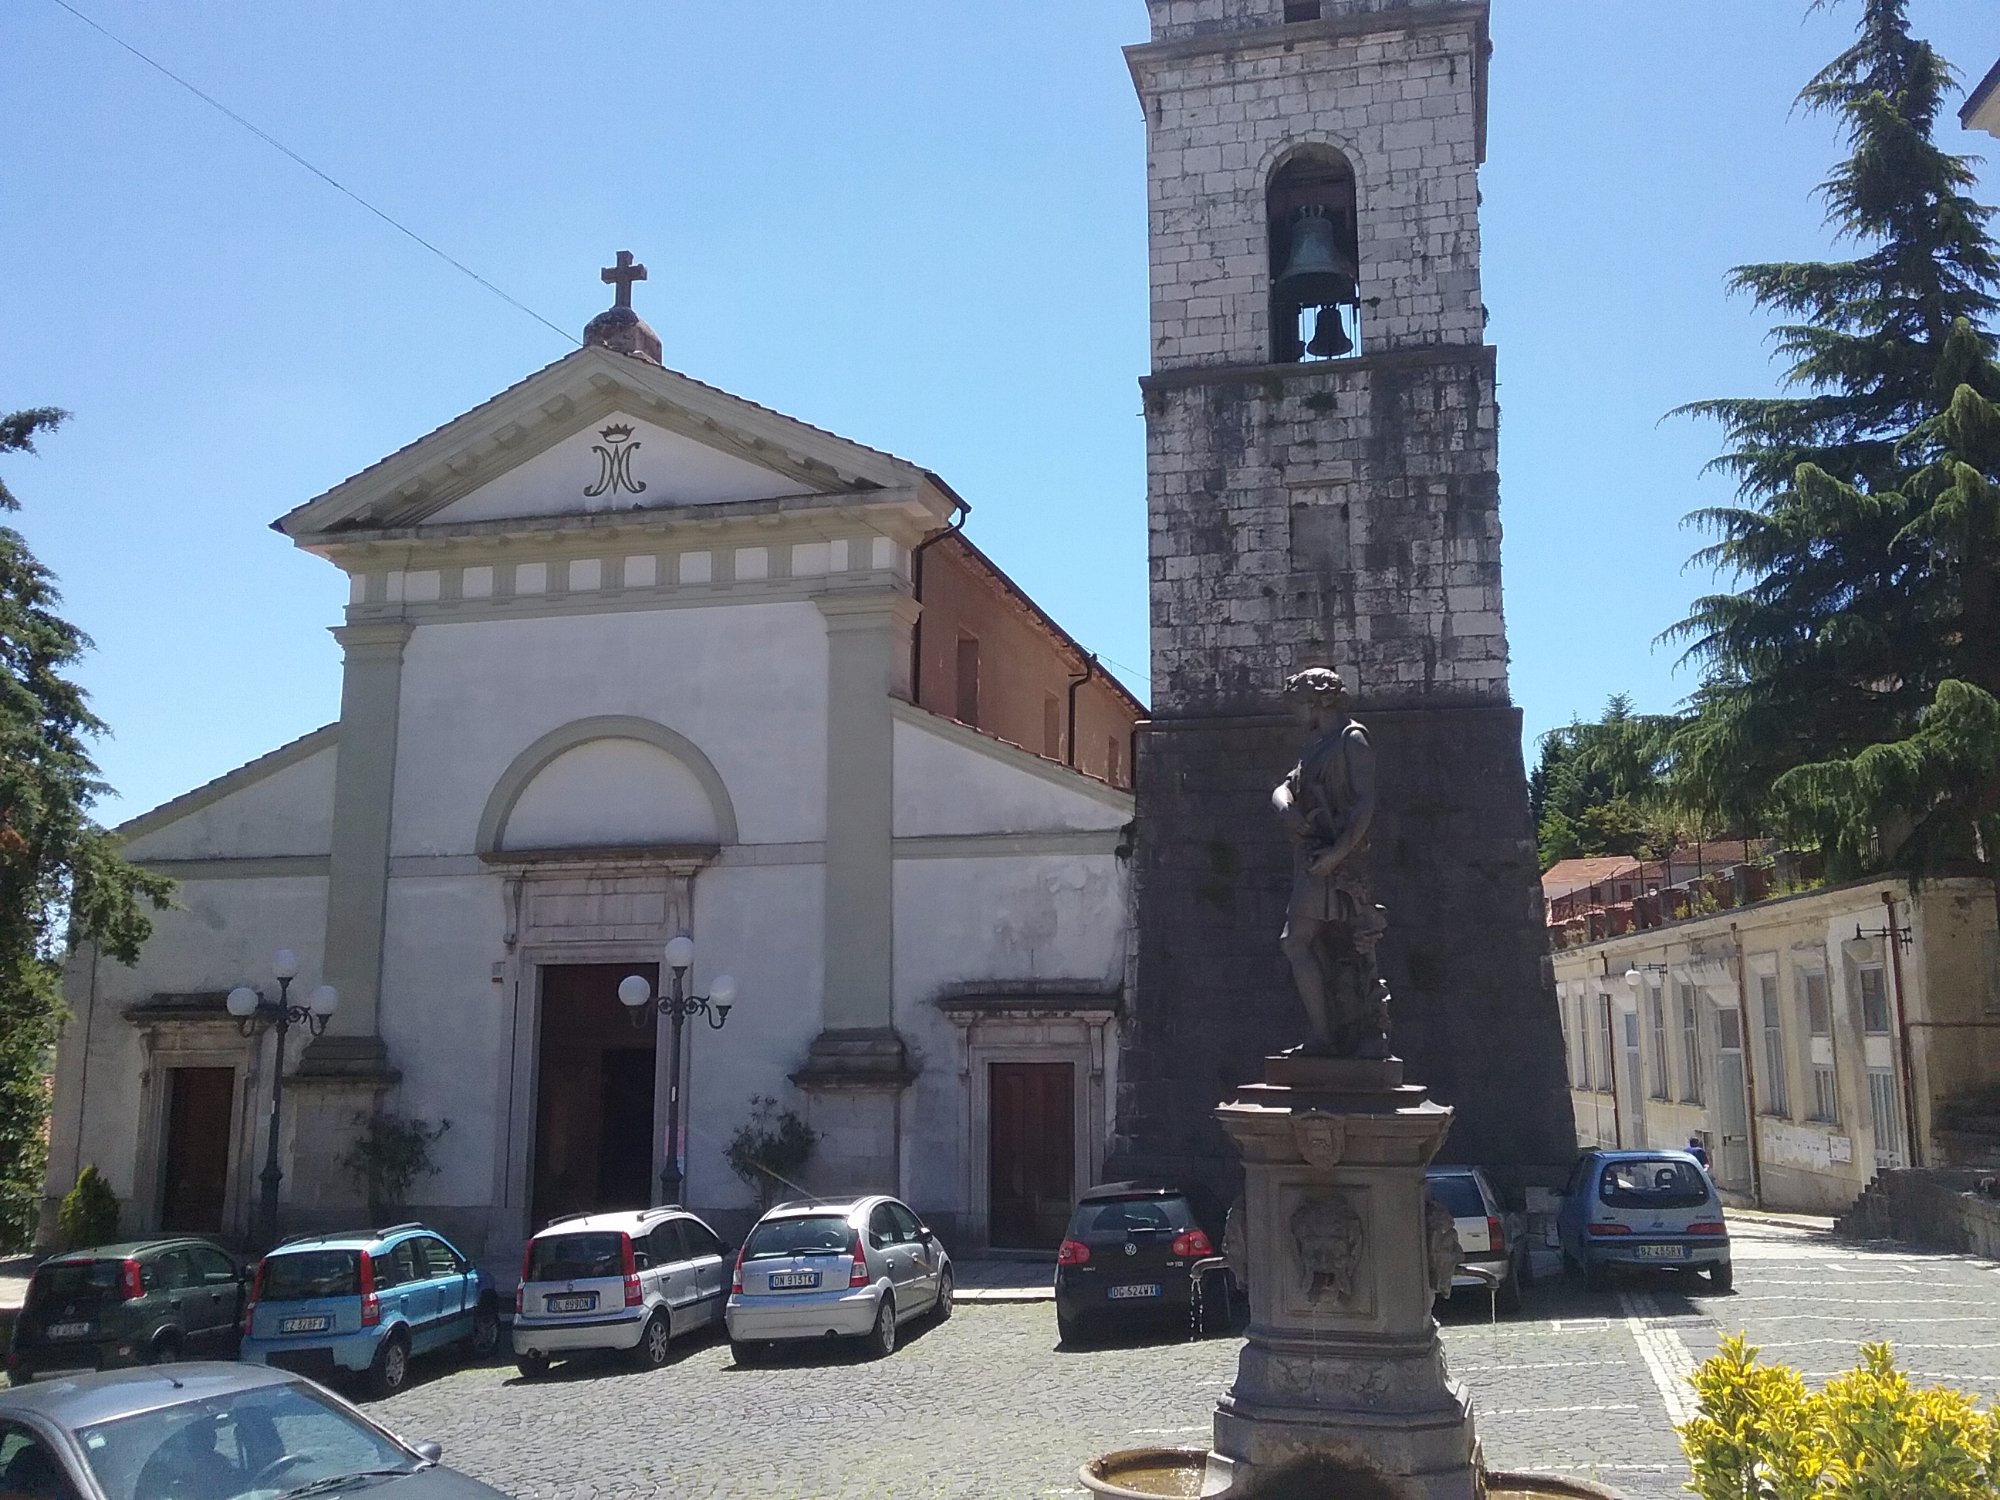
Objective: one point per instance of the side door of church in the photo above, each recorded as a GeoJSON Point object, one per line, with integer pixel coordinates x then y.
{"type": "Point", "coordinates": [1031, 1179]}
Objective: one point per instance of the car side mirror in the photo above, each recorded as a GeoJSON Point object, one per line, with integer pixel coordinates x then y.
{"type": "Point", "coordinates": [430, 1451]}
{"type": "Point", "coordinates": [927, 1234]}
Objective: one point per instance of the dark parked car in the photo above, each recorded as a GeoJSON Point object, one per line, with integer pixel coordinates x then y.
{"type": "Point", "coordinates": [1130, 1255]}
{"type": "Point", "coordinates": [207, 1431]}
{"type": "Point", "coordinates": [129, 1304]}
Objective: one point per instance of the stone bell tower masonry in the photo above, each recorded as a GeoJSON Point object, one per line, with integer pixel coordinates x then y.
{"type": "Point", "coordinates": [1323, 489]}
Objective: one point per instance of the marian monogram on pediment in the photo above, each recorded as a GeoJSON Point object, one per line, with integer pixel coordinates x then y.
{"type": "Point", "coordinates": [614, 463]}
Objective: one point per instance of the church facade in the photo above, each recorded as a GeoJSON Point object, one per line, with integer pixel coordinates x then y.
{"type": "Point", "coordinates": [628, 658]}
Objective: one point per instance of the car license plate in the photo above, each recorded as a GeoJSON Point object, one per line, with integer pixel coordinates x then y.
{"type": "Point", "coordinates": [585, 1302]}
{"type": "Point", "coordinates": [305, 1325]}
{"type": "Point", "coordinates": [67, 1330]}
{"type": "Point", "coordinates": [1122, 1292]}
{"type": "Point", "coordinates": [1662, 1252]}
{"type": "Point", "coordinates": [790, 1281]}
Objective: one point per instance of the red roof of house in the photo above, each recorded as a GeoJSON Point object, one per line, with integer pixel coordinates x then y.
{"type": "Point", "coordinates": [1567, 875]}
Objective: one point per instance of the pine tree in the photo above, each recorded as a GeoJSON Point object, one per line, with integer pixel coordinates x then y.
{"type": "Point", "coordinates": [61, 878]}
{"type": "Point", "coordinates": [1849, 682]}
{"type": "Point", "coordinates": [1599, 786]}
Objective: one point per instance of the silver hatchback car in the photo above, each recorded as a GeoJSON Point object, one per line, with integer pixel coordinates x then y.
{"type": "Point", "coordinates": [835, 1268]}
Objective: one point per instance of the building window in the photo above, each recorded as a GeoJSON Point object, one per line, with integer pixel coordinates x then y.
{"type": "Point", "coordinates": [1819, 1043]}
{"type": "Point", "coordinates": [1993, 973]}
{"type": "Point", "coordinates": [1656, 1016]}
{"type": "Point", "coordinates": [968, 679]}
{"type": "Point", "coordinates": [1777, 1083]}
{"type": "Point", "coordinates": [1690, 1043]}
{"type": "Point", "coordinates": [1569, 1035]}
{"type": "Point", "coordinates": [1301, 10]}
{"type": "Point", "coordinates": [1114, 761]}
{"type": "Point", "coordinates": [1052, 726]}
{"type": "Point", "coordinates": [1583, 1041]}
{"type": "Point", "coordinates": [1874, 1001]}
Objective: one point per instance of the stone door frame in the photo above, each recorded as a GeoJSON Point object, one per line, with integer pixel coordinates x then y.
{"type": "Point", "coordinates": [197, 1039]}
{"type": "Point", "coordinates": [1002, 1023]}
{"type": "Point", "coordinates": [555, 918]}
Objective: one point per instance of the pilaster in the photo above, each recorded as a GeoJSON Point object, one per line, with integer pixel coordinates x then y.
{"type": "Point", "coordinates": [358, 869]}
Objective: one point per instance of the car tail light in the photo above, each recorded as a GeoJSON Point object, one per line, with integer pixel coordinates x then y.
{"type": "Point", "coordinates": [736, 1286]}
{"type": "Point", "coordinates": [1708, 1226]}
{"type": "Point", "coordinates": [131, 1285]}
{"type": "Point", "coordinates": [1611, 1229]}
{"type": "Point", "coordinates": [1496, 1235]}
{"type": "Point", "coordinates": [858, 1276]}
{"type": "Point", "coordinates": [371, 1305]}
{"type": "Point", "coordinates": [633, 1295]}
{"type": "Point", "coordinates": [1191, 1244]}
{"type": "Point", "coordinates": [1073, 1253]}
{"type": "Point", "coordinates": [256, 1291]}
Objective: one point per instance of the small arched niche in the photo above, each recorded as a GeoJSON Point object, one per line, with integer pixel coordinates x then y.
{"type": "Point", "coordinates": [1315, 258]}
{"type": "Point", "coordinates": [607, 784]}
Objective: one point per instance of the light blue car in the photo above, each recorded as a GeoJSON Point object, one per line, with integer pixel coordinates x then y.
{"type": "Point", "coordinates": [364, 1303]}
{"type": "Point", "coordinates": [1642, 1210]}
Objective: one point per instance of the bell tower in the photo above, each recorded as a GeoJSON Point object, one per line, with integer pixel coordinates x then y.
{"type": "Point", "coordinates": [1323, 489]}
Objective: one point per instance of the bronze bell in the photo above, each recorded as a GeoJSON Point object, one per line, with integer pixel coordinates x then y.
{"type": "Point", "coordinates": [1318, 271]}
{"type": "Point", "coordinates": [1329, 340]}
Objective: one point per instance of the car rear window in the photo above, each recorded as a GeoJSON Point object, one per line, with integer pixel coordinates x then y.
{"type": "Point", "coordinates": [577, 1257]}
{"type": "Point", "coordinates": [1122, 1216]}
{"type": "Point", "coordinates": [305, 1274]}
{"type": "Point", "coordinates": [71, 1278]}
{"type": "Point", "coordinates": [813, 1234]}
{"type": "Point", "coordinates": [1654, 1182]}
{"type": "Point", "coordinates": [1459, 1195]}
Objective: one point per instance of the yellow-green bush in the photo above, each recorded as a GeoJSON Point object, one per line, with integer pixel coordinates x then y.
{"type": "Point", "coordinates": [1870, 1435]}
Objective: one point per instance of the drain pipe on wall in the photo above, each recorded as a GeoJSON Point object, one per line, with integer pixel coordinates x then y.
{"type": "Point", "coordinates": [1075, 683]}
{"type": "Point", "coordinates": [1744, 1032]}
{"type": "Point", "coordinates": [917, 591]}
{"type": "Point", "coordinates": [1905, 1067]}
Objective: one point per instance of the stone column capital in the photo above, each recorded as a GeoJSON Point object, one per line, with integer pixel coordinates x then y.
{"type": "Point", "coordinates": [869, 609]}
{"type": "Point", "coordinates": [381, 640]}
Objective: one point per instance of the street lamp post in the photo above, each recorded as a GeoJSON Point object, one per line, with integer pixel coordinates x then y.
{"type": "Point", "coordinates": [677, 1005]}
{"type": "Point", "coordinates": [253, 1013]}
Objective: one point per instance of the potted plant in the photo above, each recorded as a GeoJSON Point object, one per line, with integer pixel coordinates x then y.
{"type": "Point", "coordinates": [770, 1150]}
{"type": "Point", "coordinates": [389, 1156]}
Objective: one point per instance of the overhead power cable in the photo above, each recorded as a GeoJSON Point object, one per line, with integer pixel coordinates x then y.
{"type": "Point", "coordinates": [277, 145]}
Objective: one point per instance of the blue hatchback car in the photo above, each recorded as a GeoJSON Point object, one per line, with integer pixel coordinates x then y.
{"type": "Point", "coordinates": [1641, 1209]}
{"type": "Point", "coordinates": [364, 1303]}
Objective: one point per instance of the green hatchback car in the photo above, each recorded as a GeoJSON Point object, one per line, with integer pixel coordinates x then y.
{"type": "Point", "coordinates": [129, 1304]}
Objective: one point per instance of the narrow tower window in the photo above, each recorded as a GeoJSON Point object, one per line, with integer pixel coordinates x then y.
{"type": "Point", "coordinates": [1301, 10]}
{"type": "Point", "coordinates": [1315, 260]}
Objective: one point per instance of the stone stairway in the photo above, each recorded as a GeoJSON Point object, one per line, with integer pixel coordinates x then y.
{"type": "Point", "coordinates": [1938, 1208]}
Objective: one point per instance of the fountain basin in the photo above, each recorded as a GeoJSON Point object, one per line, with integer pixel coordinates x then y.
{"type": "Point", "coordinates": [1154, 1473]}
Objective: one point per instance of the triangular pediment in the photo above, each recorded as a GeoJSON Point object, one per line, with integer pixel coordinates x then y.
{"type": "Point", "coordinates": [597, 432]}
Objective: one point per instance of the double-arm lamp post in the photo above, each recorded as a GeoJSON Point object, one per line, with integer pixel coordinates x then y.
{"type": "Point", "coordinates": [677, 1005]}
{"type": "Point", "coordinates": [253, 1013]}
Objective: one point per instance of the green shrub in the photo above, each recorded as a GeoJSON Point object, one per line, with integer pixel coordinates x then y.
{"type": "Point", "coordinates": [389, 1155]}
{"type": "Point", "coordinates": [770, 1149]}
{"type": "Point", "coordinates": [89, 1212]}
{"type": "Point", "coordinates": [1869, 1435]}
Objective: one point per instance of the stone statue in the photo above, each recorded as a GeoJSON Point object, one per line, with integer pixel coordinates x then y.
{"type": "Point", "coordinates": [1441, 1245]}
{"type": "Point", "coordinates": [1332, 924]}
{"type": "Point", "coordinates": [1328, 1235]}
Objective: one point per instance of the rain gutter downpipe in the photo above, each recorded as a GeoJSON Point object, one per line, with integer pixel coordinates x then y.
{"type": "Point", "coordinates": [1907, 1066]}
{"type": "Point", "coordinates": [917, 591]}
{"type": "Point", "coordinates": [1744, 1035]}
{"type": "Point", "coordinates": [1075, 683]}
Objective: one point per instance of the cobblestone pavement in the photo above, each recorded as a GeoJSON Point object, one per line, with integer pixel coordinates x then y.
{"type": "Point", "coordinates": [985, 1405]}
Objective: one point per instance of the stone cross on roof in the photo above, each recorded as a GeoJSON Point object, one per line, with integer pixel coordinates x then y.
{"type": "Point", "coordinates": [622, 275]}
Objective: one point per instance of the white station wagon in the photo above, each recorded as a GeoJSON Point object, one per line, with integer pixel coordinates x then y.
{"type": "Point", "coordinates": [628, 1281]}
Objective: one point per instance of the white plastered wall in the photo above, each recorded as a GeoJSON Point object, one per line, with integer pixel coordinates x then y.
{"type": "Point", "coordinates": [288, 812]}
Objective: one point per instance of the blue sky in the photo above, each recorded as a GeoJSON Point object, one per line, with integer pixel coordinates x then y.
{"type": "Point", "coordinates": [919, 224]}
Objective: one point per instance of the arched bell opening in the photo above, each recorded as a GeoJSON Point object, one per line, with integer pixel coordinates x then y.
{"type": "Point", "coordinates": [1315, 259]}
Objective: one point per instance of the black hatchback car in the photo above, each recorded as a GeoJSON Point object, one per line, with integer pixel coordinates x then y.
{"type": "Point", "coordinates": [1130, 1256]}
{"type": "Point", "coordinates": [130, 1304]}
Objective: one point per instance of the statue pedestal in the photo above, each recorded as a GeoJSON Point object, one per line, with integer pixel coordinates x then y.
{"type": "Point", "coordinates": [1342, 1382]}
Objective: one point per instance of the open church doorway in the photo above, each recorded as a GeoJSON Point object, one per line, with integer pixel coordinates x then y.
{"type": "Point", "coordinates": [594, 1095]}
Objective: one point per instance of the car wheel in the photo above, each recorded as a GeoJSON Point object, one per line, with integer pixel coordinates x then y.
{"type": "Point", "coordinates": [748, 1352]}
{"type": "Point", "coordinates": [1722, 1276]}
{"type": "Point", "coordinates": [1507, 1297]}
{"type": "Point", "coordinates": [882, 1340]}
{"type": "Point", "coordinates": [655, 1341]}
{"type": "Point", "coordinates": [391, 1370]}
{"type": "Point", "coordinates": [485, 1331]}
{"type": "Point", "coordinates": [532, 1366]}
{"type": "Point", "coordinates": [165, 1348]}
{"type": "Point", "coordinates": [943, 1308]}
{"type": "Point", "coordinates": [1596, 1275]}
